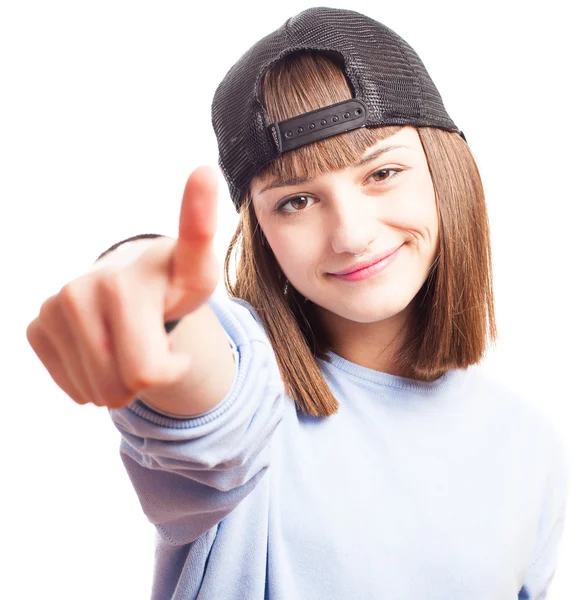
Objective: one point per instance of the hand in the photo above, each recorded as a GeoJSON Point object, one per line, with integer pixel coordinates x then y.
{"type": "Point", "coordinates": [102, 337]}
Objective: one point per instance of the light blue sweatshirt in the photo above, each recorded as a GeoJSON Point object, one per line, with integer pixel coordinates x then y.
{"type": "Point", "coordinates": [449, 490]}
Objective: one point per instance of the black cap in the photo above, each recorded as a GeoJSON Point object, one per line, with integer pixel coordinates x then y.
{"type": "Point", "coordinates": [390, 86]}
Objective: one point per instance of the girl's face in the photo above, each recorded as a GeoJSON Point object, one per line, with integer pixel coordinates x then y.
{"type": "Point", "coordinates": [385, 201]}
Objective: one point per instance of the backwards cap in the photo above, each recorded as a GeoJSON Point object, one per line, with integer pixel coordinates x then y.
{"type": "Point", "coordinates": [389, 82]}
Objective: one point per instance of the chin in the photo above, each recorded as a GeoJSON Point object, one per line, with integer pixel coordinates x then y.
{"type": "Point", "coordinates": [367, 310]}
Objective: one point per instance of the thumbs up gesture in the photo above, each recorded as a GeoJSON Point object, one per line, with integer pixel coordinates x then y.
{"type": "Point", "coordinates": [102, 337]}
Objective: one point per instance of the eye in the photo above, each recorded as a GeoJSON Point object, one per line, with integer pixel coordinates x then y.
{"type": "Point", "coordinates": [383, 175]}
{"type": "Point", "coordinates": [302, 200]}
{"type": "Point", "coordinates": [299, 203]}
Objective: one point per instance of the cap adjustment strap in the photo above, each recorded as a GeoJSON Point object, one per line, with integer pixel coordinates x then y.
{"type": "Point", "coordinates": [318, 124]}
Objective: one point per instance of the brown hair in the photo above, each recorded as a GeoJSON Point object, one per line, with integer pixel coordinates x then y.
{"type": "Point", "coordinates": [454, 310]}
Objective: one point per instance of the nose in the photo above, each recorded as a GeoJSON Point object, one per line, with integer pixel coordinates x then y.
{"type": "Point", "coordinates": [351, 223]}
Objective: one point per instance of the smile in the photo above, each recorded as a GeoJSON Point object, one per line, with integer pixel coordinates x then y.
{"type": "Point", "coordinates": [370, 271]}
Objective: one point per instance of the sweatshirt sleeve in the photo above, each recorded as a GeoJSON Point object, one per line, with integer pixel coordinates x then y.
{"type": "Point", "coordinates": [189, 473]}
{"type": "Point", "coordinates": [550, 529]}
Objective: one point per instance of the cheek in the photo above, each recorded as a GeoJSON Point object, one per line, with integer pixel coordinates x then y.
{"type": "Point", "coordinates": [295, 256]}
{"type": "Point", "coordinates": [413, 209]}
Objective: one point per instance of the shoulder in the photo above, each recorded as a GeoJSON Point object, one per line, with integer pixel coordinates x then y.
{"type": "Point", "coordinates": [512, 414]}
{"type": "Point", "coordinates": [238, 317]}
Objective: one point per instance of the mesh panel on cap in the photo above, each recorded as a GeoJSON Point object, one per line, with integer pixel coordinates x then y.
{"type": "Point", "coordinates": [384, 72]}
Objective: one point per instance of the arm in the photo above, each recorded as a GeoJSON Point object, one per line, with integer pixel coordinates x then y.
{"type": "Point", "coordinates": [550, 530]}
{"type": "Point", "coordinates": [189, 473]}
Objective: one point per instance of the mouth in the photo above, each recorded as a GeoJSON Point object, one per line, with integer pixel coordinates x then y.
{"type": "Point", "coordinates": [364, 264]}
{"type": "Point", "coordinates": [368, 268]}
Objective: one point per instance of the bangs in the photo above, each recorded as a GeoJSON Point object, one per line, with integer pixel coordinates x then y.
{"type": "Point", "coordinates": [323, 156]}
{"type": "Point", "coordinates": [313, 81]}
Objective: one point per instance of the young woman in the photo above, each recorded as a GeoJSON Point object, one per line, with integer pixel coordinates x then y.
{"type": "Point", "coordinates": [322, 431]}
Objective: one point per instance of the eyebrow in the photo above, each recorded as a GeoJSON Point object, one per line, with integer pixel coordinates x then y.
{"type": "Point", "coordinates": [363, 161]}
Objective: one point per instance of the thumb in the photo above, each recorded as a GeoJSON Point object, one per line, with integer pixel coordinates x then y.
{"type": "Point", "coordinates": [195, 269]}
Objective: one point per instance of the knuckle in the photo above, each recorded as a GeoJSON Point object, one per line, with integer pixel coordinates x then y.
{"type": "Point", "coordinates": [112, 291]}
{"type": "Point", "coordinates": [47, 310]}
{"type": "Point", "coordinates": [33, 333]}
{"type": "Point", "coordinates": [78, 399]}
{"type": "Point", "coordinates": [73, 302]}
{"type": "Point", "coordinates": [112, 284]}
{"type": "Point", "coordinates": [76, 386]}
{"type": "Point", "coordinates": [94, 394]}
{"type": "Point", "coordinates": [69, 296]}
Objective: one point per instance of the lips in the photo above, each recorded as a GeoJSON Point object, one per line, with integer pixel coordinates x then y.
{"type": "Point", "coordinates": [368, 262]}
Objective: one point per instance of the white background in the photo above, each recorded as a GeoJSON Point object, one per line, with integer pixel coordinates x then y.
{"type": "Point", "coordinates": [105, 110]}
